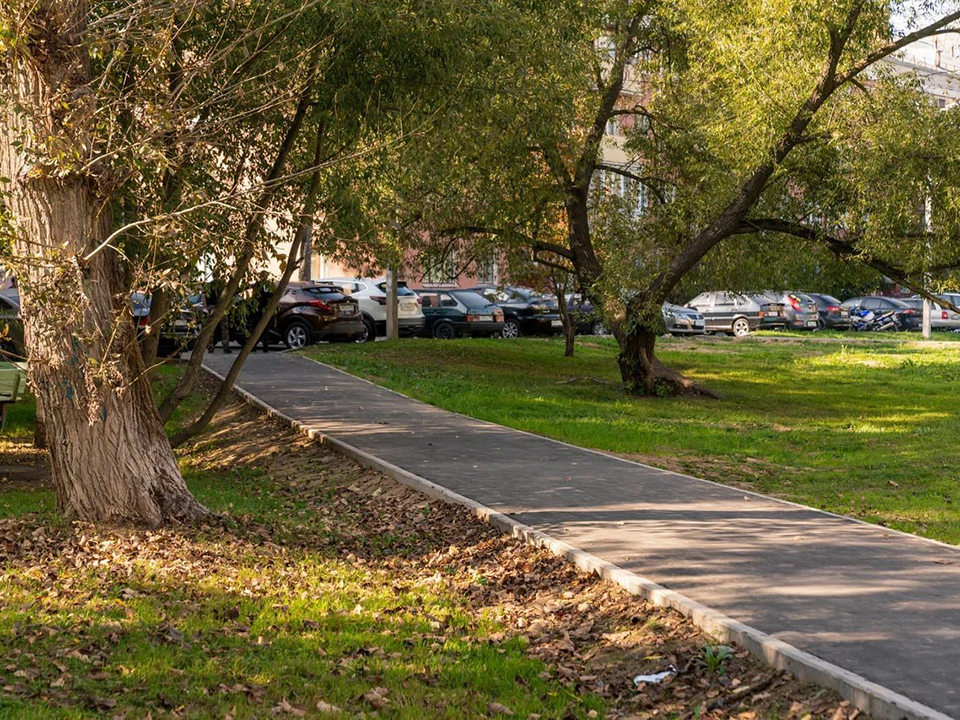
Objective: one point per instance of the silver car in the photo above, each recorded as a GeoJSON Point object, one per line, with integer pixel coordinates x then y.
{"type": "Point", "coordinates": [941, 317]}
{"type": "Point", "coordinates": [800, 309]}
{"type": "Point", "coordinates": [682, 321]}
{"type": "Point", "coordinates": [737, 313]}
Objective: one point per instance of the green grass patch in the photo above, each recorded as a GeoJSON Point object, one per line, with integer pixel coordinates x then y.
{"type": "Point", "coordinates": [270, 614]}
{"type": "Point", "coordinates": [869, 430]}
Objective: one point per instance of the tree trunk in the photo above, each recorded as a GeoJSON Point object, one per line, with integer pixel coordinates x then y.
{"type": "Point", "coordinates": [637, 360]}
{"type": "Point", "coordinates": [642, 373]}
{"type": "Point", "coordinates": [570, 334]}
{"type": "Point", "coordinates": [306, 267]}
{"type": "Point", "coordinates": [569, 328]}
{"type": "Point", "coordinates": [246, 255]}
{"type": "Point", "coordinates": [109, 457]}
{"type": "Point", "coordinates": [39, 429]}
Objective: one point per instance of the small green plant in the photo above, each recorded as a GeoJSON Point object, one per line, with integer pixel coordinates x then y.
{"type": "Point", "coordinates": [716, 656]}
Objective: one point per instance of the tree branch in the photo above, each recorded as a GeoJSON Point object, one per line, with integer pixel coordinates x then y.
{"type": "Point", "coordinates": [551, 247]}
{"type": "Point", "coordinates": [935, 28]}
{"type": "Point", "coordinates": [840, 248]}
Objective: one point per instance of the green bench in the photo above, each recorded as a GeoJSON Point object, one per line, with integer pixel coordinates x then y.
{"type": "Point", "coordinates": [13, 383]}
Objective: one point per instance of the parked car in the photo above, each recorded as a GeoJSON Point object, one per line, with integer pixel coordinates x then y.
{"type": "Point", "coordinates": [180, 328]}
{"type": "Point", "coordinates": [371, 295]}
{"type": "Point", "coordinates": [832, 314]}
{"type": "Point", "coordinates": [454, 313]}
{"type": "Point", "coordinates": [308, 312]}
{"type": "Point", "coordinates": [12, 346]}
{"type": "Point", "coordinates": [907, 317]}
{"type": "Point", "coordinates": [584, 316]}
{"type": "Point", "coordinates": [525, 311]}
{"type": "Point", "coordinates": [941, 317]}
{"type": "Point", "coordinates": [682, 320]}
{"type": "Point", "coordinates": [799, 308]}
{"type": "Point", "coordinates": [737, 313]}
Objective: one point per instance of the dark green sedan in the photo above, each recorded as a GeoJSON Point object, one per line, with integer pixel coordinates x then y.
{"type": "Point", "coordinates": [449, 314]}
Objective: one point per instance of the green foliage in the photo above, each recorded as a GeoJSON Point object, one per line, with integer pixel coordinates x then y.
{"type": "Point", "coordinates": [716, 656]}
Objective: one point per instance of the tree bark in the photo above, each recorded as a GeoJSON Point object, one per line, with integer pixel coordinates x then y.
{"type": "Point", "coordinates": [109, 457]}
{"type": "Point", "coordinates": [636, 360]}
{"type": "Point", "coordinates": [39, 429]}
{"type": "Point", "coordinates": [306, 267]}
{"type": "Point", "coordinates": [569, 328]}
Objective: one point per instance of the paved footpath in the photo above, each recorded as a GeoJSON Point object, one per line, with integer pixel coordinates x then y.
{"type": "Point", "coordinates": [878, 603]}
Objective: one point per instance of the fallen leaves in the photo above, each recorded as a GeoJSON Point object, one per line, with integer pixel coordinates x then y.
{"type": "Point", "coordinates": [592, 637]}
{"type": "Point", "coordinates": [377, 697]}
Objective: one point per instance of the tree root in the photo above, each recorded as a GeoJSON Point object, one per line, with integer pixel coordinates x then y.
{"type": "Point", "coordinates": [671, 383]}
{"type": "Point", "coordinates": [585, 378]}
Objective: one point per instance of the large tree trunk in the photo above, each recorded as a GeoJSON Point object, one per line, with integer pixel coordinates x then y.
{"type": "Point", "coordinates": [642, 373]}
{"type": "Point", "coordinates": [109, 457]}
{"type": "Point", "coordinates": [637, 360]}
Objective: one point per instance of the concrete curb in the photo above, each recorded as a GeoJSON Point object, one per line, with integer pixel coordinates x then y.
{"type": "Point", "coordinates": [870, 697]}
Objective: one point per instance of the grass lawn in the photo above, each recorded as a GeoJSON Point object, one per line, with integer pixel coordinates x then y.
{"type": "Point", "coordinates": [327, 589]}
{"type": "Point", "coordinates": [869, 430]}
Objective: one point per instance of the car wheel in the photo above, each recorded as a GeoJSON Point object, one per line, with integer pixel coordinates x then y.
{"type": "Point", "coordinates": [444, 331]}
{"type": "Point", "coordinates": [297, 335]}
{"type": "Point", "coordinates": [740, 327]}
{"type": "Point", "coordinates": [821, 325]}
{"type": "Point", "coordinates": [599, 328]}
{"type": "Point", "coordinates": [511, 329]}
{"type": "Point", "coordinates": [369, 333]}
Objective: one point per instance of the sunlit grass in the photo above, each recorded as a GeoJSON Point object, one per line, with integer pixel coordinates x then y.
{"type": "Point", "coordinates": [865, 430]}
{"type": "Point", "coordinates": [271, 619]}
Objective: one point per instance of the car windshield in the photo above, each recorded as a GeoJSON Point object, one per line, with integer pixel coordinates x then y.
{"type": "Point", "coordinates": [521, 294]}
{"type": "Point", "coordinates": [802, 298]}
{"type": "Point", "coordinates": [472, 299]}
{"type": "Point", "coordinates": [825, 300]}
{"type": "Point", "coordinates": [12, 300]}
{"type": "Point", "coordinates": [321, 290]}
{"type": "Point", "coordinates": [402, 289]}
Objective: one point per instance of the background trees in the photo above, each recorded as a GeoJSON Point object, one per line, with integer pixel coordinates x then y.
{"type": "Point", "coordinates": [715, 123]}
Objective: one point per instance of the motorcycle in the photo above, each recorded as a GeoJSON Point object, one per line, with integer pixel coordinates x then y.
{"type": "Point", "coordinates": [867, 320]}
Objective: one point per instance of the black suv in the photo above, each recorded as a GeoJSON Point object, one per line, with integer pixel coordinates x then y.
{"type": "Point", "coordinates": [525, 311]}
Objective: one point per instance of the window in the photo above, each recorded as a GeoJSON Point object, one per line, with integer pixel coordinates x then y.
{"type": "Point", "coordinates": [612, 128]}
{"type": "Point", "coordinates": [402, 289]}
{"type": "Point", "coordinates": [487, 271]}
{"type": "Point", "coordinates": [440, 269]}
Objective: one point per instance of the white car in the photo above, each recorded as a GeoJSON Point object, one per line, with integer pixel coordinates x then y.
{"type": "Point", "coordinates": [371, 296]}
{"type": "Point", "coordinates": [941, 317]}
